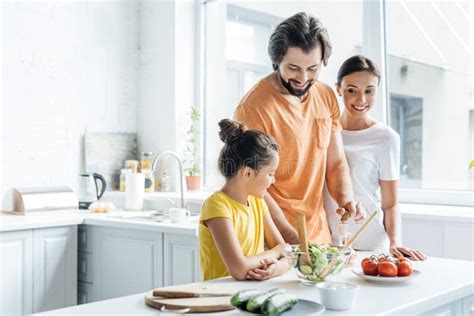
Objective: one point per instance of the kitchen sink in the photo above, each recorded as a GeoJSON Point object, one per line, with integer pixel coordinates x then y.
{"type": "Point", "coordinates": [149, 216]}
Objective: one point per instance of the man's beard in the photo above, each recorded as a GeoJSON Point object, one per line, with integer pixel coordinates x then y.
{"type": "Point", "coordinates": [291, 90]}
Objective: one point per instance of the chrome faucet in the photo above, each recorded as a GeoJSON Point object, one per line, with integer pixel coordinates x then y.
{"type": "Point", "coordinates": [174, 155]}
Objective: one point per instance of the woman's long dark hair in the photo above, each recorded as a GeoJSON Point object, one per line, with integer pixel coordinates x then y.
{"type": "Point", "coordinates": [355, 64]}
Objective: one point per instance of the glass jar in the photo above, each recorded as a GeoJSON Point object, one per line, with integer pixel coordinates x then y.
{"type": "Point", "coordinates": [164, 182]}
{"type": "Point", "coordinates": [146, 161]}
{"type": "Point", "coordinates": [131, 165]}
{"type": "Point", "coordinates": [149, 180]}
{"type": "Point", "coordinates": [123, 173]}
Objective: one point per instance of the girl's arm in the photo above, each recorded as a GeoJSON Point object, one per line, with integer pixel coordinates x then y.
{"type": "Point", "coordinates": [231, 253]}
{"type": "Point", "coordinates": [272, 268]}
{"type": "Point", "coordinates": [392, 221]}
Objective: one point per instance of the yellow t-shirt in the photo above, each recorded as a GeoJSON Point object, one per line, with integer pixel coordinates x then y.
{"type": "Point", "coordinates": [248, 226]}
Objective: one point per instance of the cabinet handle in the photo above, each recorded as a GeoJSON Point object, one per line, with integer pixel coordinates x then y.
{"type": "Point", "coordinates": [83, 266]}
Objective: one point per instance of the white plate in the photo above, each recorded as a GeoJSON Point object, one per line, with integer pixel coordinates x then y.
{"type": "Point", "coordinates": [360, 274]}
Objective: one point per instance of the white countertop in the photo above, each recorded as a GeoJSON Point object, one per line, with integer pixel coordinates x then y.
{"type": "Point", "coordinates": [441, 281]}
{"type": "Point", "coordinates": [118, 218]}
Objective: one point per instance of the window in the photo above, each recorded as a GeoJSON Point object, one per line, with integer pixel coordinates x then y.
{"type": "Point", "coordinates": [430, 91]}
{"type": "Point", "coordinates": [237, 35]}
{"type": "Point", "coordinates": [423, 49]}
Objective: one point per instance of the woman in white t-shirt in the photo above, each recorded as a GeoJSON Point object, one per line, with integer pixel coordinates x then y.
{"type": "Point", "coordinates": [373, 152]}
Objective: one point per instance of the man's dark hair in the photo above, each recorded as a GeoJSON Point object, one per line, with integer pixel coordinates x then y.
{"type": "Point", "coordinates": [300, 30]}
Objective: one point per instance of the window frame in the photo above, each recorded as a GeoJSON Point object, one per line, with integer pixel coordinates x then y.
{"type": "Point", "coordinates": [374, 45]}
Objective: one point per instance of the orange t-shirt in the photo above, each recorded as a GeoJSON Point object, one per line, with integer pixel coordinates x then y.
{"type": "Point", "coordinates": [302, 132]}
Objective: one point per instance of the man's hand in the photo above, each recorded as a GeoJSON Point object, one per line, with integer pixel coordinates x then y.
{"type": "Point", "coordinates": [355, 209]}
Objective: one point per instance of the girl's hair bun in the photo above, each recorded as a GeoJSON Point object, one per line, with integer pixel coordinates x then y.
{"type": "Point", "coordinates": [230, 131]}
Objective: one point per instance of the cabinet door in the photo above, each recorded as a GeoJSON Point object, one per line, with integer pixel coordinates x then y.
{"type": "Point", "coordinates": [55, 268]}
{"type": "Point", "coordinates": [426, 236]}
{"type": "Point", "coordinates": [181, 259]}
{"type": "Point", "coordinates": [450, 309]}
{"type": "Point", "coordinates": [126, 262]}
{"type": "Point", "coordinates": [468, 306]}
{"type": "Point", "coordinates": [16, 271]}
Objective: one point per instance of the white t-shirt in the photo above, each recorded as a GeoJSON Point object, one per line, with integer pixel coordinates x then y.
{"type": "Point", "coordinates": [373, 154]}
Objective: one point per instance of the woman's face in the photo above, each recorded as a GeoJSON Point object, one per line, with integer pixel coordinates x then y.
{"type": "Point", "coordinates": [358, 91]}
{"type": "Point", "coordinates": [261, 180]}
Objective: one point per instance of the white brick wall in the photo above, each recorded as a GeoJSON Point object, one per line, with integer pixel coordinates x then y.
{"type": "Point", "coordinates": [66, 67]}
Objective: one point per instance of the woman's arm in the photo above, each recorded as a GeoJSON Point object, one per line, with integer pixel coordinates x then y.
{"type": "Point", "coordinates": [231, 252]}
{"type": "Point", "coordinates": [392, 221]}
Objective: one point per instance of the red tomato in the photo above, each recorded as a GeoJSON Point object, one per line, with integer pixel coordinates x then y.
{"type": "Point", "coordinates": [387, 269]}
{"type": "Point", "coordinates": [404, 269]}
{"type": "Point", "coordinates": [401, 259]}
{"type": "Point", "coordinates": [369, 266]}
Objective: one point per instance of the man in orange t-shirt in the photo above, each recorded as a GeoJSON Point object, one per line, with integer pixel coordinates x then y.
{"type": "Point", "coordinates": [302, 115]}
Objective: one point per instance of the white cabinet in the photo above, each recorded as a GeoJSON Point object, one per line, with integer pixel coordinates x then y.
{"type": "Point", "coordinates": [181, 259]}
{"type": "Point", "coordinates": [38, 269]}
{"type": "Point", "coordinates": [16, 271]}
{"type": "Point", "coordinates": [121, 262]}
{"type": "Point", "coordinates": [425, 236]}
{"type": "Point", "coordinates": [115, 262]}
{"type": "Point", "coordinates": [55, 268]}
{"type": "Point", "coordinates": [437, 238]}
{"type": "Point", "coordinates": [468, 306]}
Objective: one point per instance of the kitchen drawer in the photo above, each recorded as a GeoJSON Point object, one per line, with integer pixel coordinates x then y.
{"type": "Point", "coordinates": [84, 238]}
{"type": "Point", "coordinates": [84, 291]}
{"type": "Point", "coordinates": [84, 267]}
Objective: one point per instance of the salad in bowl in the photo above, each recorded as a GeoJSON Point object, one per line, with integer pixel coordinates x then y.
{"type": "Point", "coordinates": [309, 268]}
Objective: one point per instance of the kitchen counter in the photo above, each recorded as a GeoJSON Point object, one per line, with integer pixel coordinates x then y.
{"type": "Point", "coordinates": [118, 219]}
{"type": "Point", "coordinates": [441, 281]}
{"type": "Point", "coordinates": [20, 222]}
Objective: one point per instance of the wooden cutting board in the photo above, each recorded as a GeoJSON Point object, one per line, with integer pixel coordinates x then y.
{"type": "Point", "coordinates": [194, 304]}
{"type": "Point", "coordinates": [192, 290]}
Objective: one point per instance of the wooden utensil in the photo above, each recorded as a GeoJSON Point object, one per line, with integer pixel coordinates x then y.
{"type": "Point", "coordinates": [189, 305]}
{"type": "Point", "coordinates": [333, 261]}
{"type": "Point", "coordinates": [191, 290]}
{"type": "Point", "coordinates": [301, 219]}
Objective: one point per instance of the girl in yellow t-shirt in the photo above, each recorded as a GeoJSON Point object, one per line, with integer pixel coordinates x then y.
{"type": "Point", "coordinates": [235, 222]}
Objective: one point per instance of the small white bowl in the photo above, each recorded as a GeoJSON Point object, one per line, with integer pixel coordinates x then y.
{"type": "Point", "coordinates": [337, 295]}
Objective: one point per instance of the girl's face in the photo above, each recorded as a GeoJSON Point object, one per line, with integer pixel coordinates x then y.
{"type": "Point", "coordinates": [358, 91]}
{"type": "Point", "coordinates": [259, 181]}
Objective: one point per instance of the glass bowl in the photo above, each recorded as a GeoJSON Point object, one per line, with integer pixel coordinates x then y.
{"type": "Point", "coordinates": [320, 256]}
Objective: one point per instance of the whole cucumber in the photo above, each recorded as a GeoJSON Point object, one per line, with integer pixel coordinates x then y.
{"type": "Point", "coordinates": [255, 303]}
{"type": "Point", "coordinates": [240, 298]}
{"type": "Point", "coordinates": [279, 303]}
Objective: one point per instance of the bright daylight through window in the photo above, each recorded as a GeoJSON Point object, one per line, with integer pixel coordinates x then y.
{"type": "Point", "coordinates": [429, 99]}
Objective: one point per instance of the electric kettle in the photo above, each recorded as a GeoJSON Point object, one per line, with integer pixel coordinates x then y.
{"type": "Point", "coordinates": [88, 190]}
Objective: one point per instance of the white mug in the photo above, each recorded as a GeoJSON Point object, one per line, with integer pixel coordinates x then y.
{"type": "Point", "coordinates": [178, 215]}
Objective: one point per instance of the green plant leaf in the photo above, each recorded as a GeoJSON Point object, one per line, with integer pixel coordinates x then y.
{"type": "Point", "coordinates": [471, 164]}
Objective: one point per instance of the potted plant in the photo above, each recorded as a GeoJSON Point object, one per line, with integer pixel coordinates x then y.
{"type": "Point", "coordinates": [191, 152]}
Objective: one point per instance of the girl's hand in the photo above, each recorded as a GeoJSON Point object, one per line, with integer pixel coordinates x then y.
{"type": "Point", "coordinates": [266, 271]}
{"type": "Point", "coordinates": [412, 254]}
